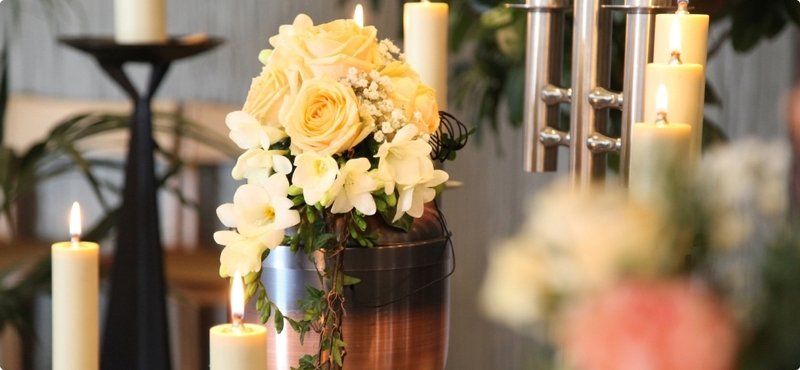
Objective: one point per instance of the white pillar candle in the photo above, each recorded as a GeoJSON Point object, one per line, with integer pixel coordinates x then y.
{"type": "Point", "coordinates": [238, 346]}
{"type": "Point", "coordinates": [140, 21]}
{"type": "Point", "coordinates": [75, 287]}
{"type": "Point", "coordinates": [660, 153]}
{"type": "Point", "coordinates": [425, 32]}
{"type": "Point", "coordinates": [694, 26]}
{"type": "Point", "coordinates": [684, 83]}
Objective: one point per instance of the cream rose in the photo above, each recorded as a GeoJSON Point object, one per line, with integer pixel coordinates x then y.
{"type": "Point", "coordinates": [324, 118]}
{"type": "Point", "coordinates": [328, 49]}
{"type": "Point", "coordinates": [409, 93]}
{"type": "Point", "coordinates": [267, 94]}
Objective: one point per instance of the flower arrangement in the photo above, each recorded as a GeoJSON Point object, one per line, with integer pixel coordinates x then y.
{"type": "Point", "coordinates": [681, 282]}
{"type": "Point", "coordinates": [336, 128]}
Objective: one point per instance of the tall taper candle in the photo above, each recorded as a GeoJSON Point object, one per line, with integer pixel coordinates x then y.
{"type": "Point", "coordinates": [140, 21]}
{"type": "Point", "coordinates": [425, 32]}
{"type": "Point", "coordinates": [75, 300]}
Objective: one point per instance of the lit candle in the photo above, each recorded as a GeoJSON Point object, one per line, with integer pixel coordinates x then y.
{"type": "Point", "coordinates": [694, 26]}
{"type": "Point", "coordinates": [358, 15]}
{"type": "Point", "coordinates": [75, 287]}
{"type": "Point", "coordinates": [684, 83]}
{"type": "Point", "coordinates": [238, 346]}
{"type": "Point", "coordinates": [140, 21]}
{"type": "Point", "coordinates": [660, 152]}
{"type": "Point", "coordinates": [425, 32]}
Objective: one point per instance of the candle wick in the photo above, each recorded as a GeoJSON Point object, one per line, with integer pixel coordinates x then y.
{"type": "Point", "coordinates": [661, 118]}
{"type": "Point", "coordinates": [675, 57]}
{"type": "Point", "coordinates": [683, 7]}
{"type": "Point", "coordinates": [236, 320]}
{"type": "Point", "coordinates": [75, 239]}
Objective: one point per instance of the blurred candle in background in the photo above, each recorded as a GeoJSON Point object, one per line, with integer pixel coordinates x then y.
{"type": "Point", "coordinates": [425, 32]}
{"type": "Point", "coordinates": [140, 21]}
{"type": "Point", "coordinates": [75, 288]}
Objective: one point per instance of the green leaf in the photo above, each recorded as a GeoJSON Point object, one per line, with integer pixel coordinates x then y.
{"type": "Point", "coordinates": [350, 280]}
{"type": "Point", "coordinates": [278, 321]}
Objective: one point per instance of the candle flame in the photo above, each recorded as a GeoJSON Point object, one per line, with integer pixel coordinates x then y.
{"type": "Point", "coordinates": [358, 15]}
{"type": "Point", "coordinates": [237, 299]}
{"type": "Point", "coordinates": [661, 99]}
{"type": "Point", "coordinates": [675, 36]}
{"type": "Point", "coordinates": [75, 221]}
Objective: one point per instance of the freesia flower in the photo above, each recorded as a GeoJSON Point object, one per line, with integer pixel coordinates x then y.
{"type": "Point", "coordinates": [240, 253]}
{"type": "Point", "coordinates": [248, 133]}
{"type": "Point", "coordinates": [671, 325]}
{"type": "Point", "coordinates": [413, 197]}
{"type": "Point", "coordinates": [262, 212]}
{"type": "Point", "coordinates": [256, 165]}
{"type": "Point", "coordinates": [517, 285]}
{"type": "Point", "coordinates": [354, 187]}
{"type": "Point", "coordinates": [404, 160]}
{"type": "Point", "coordinates": [315, 174]}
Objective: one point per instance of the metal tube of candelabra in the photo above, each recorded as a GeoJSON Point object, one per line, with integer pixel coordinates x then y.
{"type": "Point", "coordinates": [543, 66]}
{"type": "Point", "coordinates": [588, 95]}
{"type": "Point", "coordinates": [639, 28]}
{"type": "Point", "coordinates": [590, 69]}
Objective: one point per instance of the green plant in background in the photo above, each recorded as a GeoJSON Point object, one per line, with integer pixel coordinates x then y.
{"type": "Point", "coordinates": [493, 39]}
{"type": "Point", "coordinates": [61, 152]}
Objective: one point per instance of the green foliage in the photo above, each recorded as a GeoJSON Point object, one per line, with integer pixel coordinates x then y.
{"type": "Point", "coordinates": [775, 340]}
{"type": "Point", "coordinates": [60, 153]}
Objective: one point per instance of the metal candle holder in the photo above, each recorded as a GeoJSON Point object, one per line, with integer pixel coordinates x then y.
{"type": "Point", "coordinates": [588, 95]}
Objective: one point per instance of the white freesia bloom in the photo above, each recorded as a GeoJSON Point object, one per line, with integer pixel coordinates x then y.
{"type": "Point", "coordinates": [518, 283]}
{"type": "Point", "coordinates": [257, 164]}
{"type": "Point", "coordinates": [240, 253]}
{"type": "Point", "coordinates": [262, 212]}
{"type": "Point", "coordinates": [354, 187]}
{"type": "Point", "coordinates": [413, 197]}
{"type": "Point", "coordinates": [315, 174]}
{"type": "Point", "coordinates": [248, 133]}
{"type": "Point", "coordinates": [405, 161]}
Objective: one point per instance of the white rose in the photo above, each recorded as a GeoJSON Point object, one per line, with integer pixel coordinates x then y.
{"type": "Point", "coordinates": [267, 94]}
{"type": "Point", "coordinates": [324, 118]}
{"type": "Point", "coordinates": [328, 49]}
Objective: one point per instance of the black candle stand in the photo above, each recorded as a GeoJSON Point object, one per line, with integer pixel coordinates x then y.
{"type": "Point", "coordinates": [136, 333]}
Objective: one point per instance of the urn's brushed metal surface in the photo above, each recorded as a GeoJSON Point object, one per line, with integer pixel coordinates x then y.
{"type": "Point", "coordinates": [397, 318]}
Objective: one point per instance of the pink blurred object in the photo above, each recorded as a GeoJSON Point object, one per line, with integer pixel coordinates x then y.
{"type": "Point", "coordinates": [670, 325]}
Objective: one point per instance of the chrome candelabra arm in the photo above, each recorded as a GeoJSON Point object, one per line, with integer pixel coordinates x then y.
{"type": "Point", "coordinates": [543, 67]}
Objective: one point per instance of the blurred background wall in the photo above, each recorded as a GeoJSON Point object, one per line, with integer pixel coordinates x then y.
{"type": "Point", "coordinates": [481, 213]}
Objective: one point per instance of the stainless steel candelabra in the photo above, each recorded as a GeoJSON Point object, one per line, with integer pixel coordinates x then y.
{"type": "Point", "coordinates": [588, 95]}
